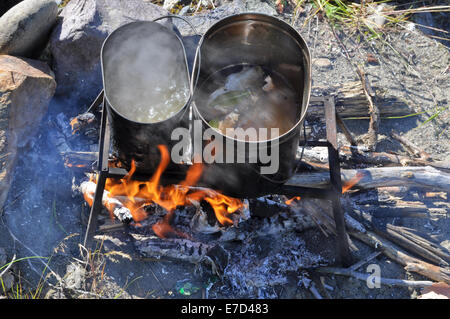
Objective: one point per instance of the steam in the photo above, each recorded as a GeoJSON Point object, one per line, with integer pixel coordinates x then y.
{"type": "Point", "coordinates": [146, 79]}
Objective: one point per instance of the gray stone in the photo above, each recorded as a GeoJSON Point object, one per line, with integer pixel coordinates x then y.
{"type": "Point", "coordinates": [5, 5]}
{"type": "Point", "coordinates": [25, 28]}
{"type": "Point", "coordinates": [170, 4]}
{"type": "Point", "coordinates": [203, 22]}
{"type": "Point", "coordinates": [322, 63]}
{"type": "Point", "coordinates": [26, 87]}
{"type": "Point", "coordinates": [8, 281]}
{"type": "Point", "coordinates": [75, 276]}
{"type": "Point", "coordinates": [3, 257]}
{"type": "Point", "coordinates": [78, 37]}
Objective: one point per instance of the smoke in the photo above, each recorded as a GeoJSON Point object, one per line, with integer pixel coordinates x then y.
{"type": "Point", "coordinates": [146, 79]}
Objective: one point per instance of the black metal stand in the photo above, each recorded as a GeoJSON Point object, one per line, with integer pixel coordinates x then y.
{"type": "Point", "coordinates": [332, 193]}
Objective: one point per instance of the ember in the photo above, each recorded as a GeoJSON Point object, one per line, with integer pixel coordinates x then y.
{"type": "Point", "coordinates": [352, 182]}
{"type": "Point", "coordinates": [289, 201]}
{"type": "Point", "coordinates": [136, 195]}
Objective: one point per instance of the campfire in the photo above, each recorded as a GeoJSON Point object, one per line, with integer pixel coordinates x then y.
{"type": "Point", "coordinates": [127, 199]}
{"type": "Point", "coordinates": [195, 220]}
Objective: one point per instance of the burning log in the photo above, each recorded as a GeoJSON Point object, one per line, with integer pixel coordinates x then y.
{"type": "Point", "coordinates": [425, 177]}
{"type": "Point", "coordinates": [114, 205]}
{"type": "Point", "coordinates": [86, 124]}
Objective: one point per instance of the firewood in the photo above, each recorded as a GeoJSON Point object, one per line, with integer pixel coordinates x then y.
{"type": "Point", "coordinates": [351, 102]}
{"type": "Point", "coordinates": [384, 281]}
{"type": "Point", "coordinates": [410, 263]}
{"type": "Point", "coordinates": [118, 209]}
{"type": "Point", "coordinates": [407, 240]}
{"type": "Point", "coordinates": [425, 177]}
{"type": "Point", "coordinates": [353, 156]}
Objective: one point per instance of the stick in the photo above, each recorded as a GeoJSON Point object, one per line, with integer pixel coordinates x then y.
{"type": "Point", "coordinates": [364, 261]}
{"type": "Point", "coordinates": [363, 277]}
{"type": "Point", "coordinates": [345, 130]}
{"type": "Point", "coordinates": [352, 156]}
{"type": "Point", "coordinates": [411, 147]}
{"type": "Point", "coordinates": [425, 177]}
{"type": "Point", "coordinates": [410, 263]}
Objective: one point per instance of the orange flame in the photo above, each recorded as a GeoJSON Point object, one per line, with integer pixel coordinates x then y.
{"type": "Point", "coordinates": [352, 182]}
{"type": "Point", "coordinates": [289, 201]}
{"type": "Point", "coordinates": [74, 122]}
{"type": "Point", "coordinates": [135, 195]}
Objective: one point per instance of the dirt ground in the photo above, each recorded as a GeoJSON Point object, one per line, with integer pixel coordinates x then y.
{"type": "Point", "coordinates": [49, 220]}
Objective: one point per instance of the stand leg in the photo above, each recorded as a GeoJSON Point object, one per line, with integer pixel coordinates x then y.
{"type": "Point", "coordinates": [335, 178]}
{"type": "Point", "coordinates": [104, 142]}
{"type": "Point", "coordinates": [95, 209]}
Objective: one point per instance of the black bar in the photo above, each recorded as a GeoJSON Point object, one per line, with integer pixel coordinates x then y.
{"type": "Point", "coordinates": [336, 183]}
{"type": "Point", "coordinates": [95, 209]}
{"type": "Point", "coordinates": [103, 155]}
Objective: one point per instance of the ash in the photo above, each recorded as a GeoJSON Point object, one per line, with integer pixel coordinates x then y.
{"type": "Point", "coordinates": [256, 268]}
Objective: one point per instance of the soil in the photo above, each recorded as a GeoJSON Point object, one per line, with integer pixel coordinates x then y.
{"type": "Point", "coordinates": [408, 64]}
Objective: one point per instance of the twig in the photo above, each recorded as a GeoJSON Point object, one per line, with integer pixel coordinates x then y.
{"type": "Point", "coordinates": [373, 109]}
{"type": "Point", "coordinates": [410, 263]}
{"type": "Point", "coordinates": [364, 261]}
{"type": "Point", "coordinates": [9, 266]}
{"type": "Point", "coordinates": [374, 112]}
{"type": "Point", "coordinates": [363, 277]}
{"type": "Point", "coordinates": [314, 291]}
{"type": "Point", "coordinates": [411, 148]}
{"type": "Point", "coordinates": [345, 130]}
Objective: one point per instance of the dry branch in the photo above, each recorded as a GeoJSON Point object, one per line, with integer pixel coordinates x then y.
{"type": "Point", "coordinates": [410, 263]}
{"type": "Point", "coordinates": [355, 156]}
{"type": "Point", "coordinates": [425, 177]}
{"type": "Point", "coordinates": [384, 281]}
{"type": "Point", "coordinates": [414, 150]}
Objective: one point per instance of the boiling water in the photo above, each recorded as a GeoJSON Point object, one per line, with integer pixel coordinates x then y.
{"type": "Point", "coordinates": [247, 97]}
{"type": "Point", "coordinates": [146, 78]}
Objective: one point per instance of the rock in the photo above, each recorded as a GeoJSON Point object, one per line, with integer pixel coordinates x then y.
{"type": "Point", "coordinates": [184, 11]}
{"type": "Point", "coordinates": [26, 87]}
{"type": "Point", "coordinates": [3, 257]}
{"type": "Point", "coordinates": [170, 4]}
{"type": "Point", "coordinates": [25, 28]}
{"type": "Point", "coordinates": [78, 37]}
{"type": "Point", "coordinates": [55, 294]}
{"type": "Point", "coordinates": [203, 22]}
{"type": "Point", "coordinates": [8, 281]}
{"type": "Point", "coordinates": [5, 5]}
{"type": "Point", "coordinates": [75, 276]}
{"type": "Point", "coordinates": [322, 63]}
